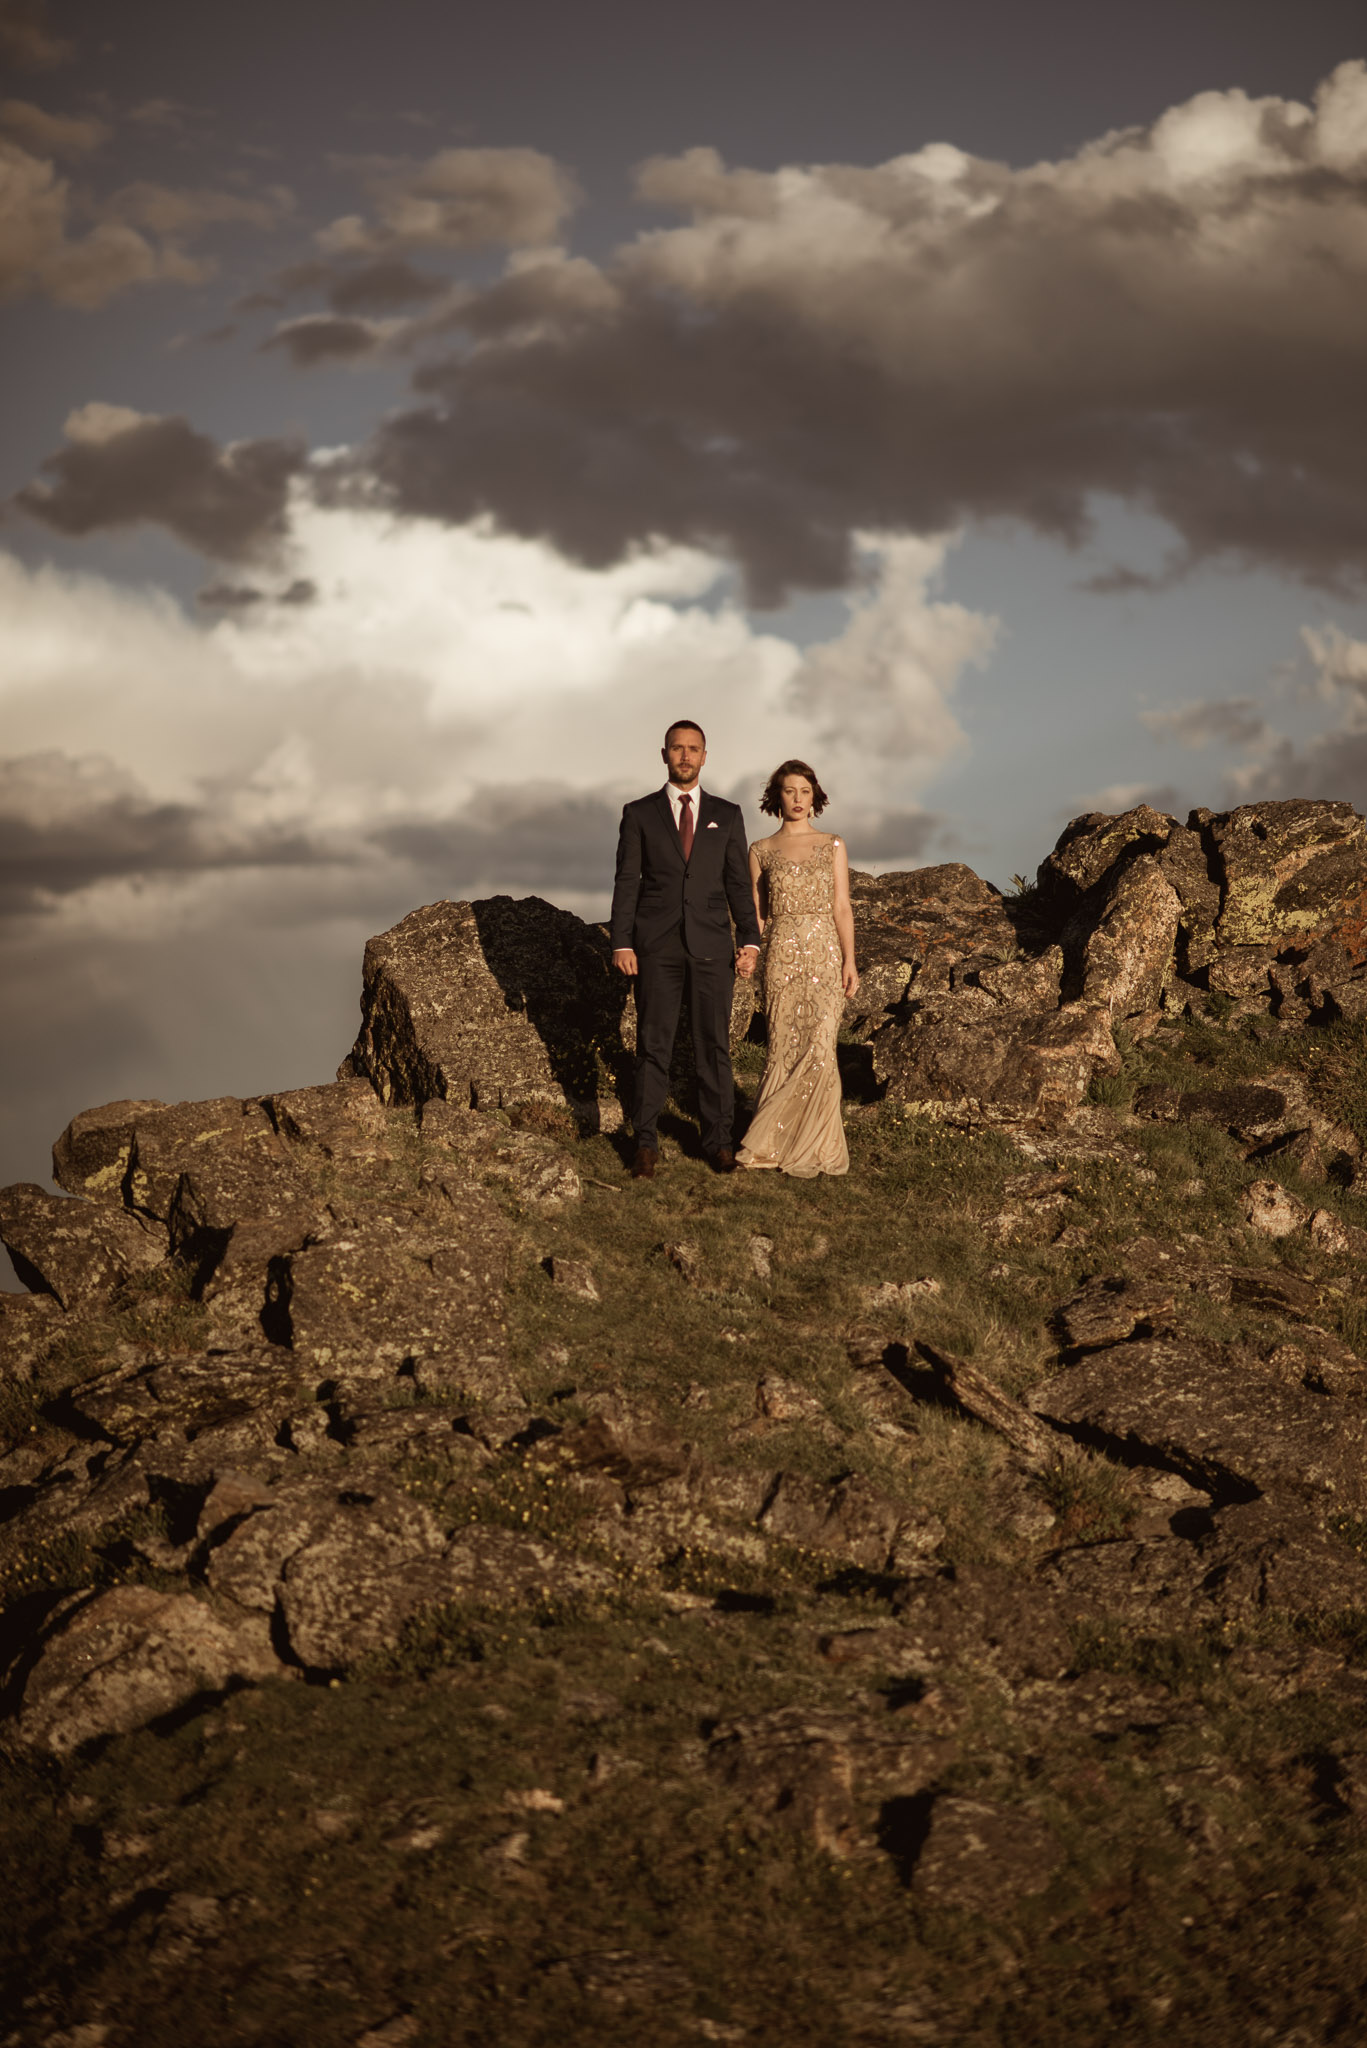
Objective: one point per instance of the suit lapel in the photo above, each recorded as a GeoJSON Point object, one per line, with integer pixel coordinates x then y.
{"type": "Point", "coordinates": [706, 817]}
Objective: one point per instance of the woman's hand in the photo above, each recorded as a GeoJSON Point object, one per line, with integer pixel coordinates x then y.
{"type": "Point", "coordinates": [849, 978]}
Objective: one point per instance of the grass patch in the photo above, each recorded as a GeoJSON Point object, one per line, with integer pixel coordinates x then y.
{"type": "Point", "coordinates": [1092, 1499]}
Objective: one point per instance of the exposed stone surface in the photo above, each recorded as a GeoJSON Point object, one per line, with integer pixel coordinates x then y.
{"type": "Point", "coordinates": [1210, 1413]}
{"type": "Point", "coordinates": [77, 1251]}
{"type": "Point", "coordinates": [1272, 1210]}
{"type": "Point", "coordinates": [92, 1155]}
{"type": "Point", "coordinates": [116, 1660]}
{"type": "Point", "coordinates": [1128, 953]}
{"type": "Point", "coordinates": [460, 996]}
{"type": "Point", "coordinates": [851, 1519]}
{"type": "Point", "coordinates": [981, 1856]}
{"type": "Point", "coordinates": [979, 1058]}
{"type": "Point", "coordinates": [1251, 1560]}
{"type": "Point", "coordinates": [272, 1423]}
{"type": "Point", "coordinates": [27, 1326]}
{"type": "Point", "coordinates": [402, 1293]}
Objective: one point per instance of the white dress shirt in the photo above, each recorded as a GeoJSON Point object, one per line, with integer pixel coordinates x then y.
{"type": "Point", "coordinates": [676, 796]}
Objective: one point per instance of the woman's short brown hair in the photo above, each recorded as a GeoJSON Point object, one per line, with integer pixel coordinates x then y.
{"type": "Point", "coordinates": [769, 803]}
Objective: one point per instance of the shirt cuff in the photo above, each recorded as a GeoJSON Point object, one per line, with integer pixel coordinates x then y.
{"type": "Point", "coordinates": [750, 947]}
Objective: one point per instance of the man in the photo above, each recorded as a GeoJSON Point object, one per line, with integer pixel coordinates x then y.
{"type": "Point", "coordinates": [682, 862]}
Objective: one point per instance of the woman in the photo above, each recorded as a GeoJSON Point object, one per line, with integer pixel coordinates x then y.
{"type": "Point", "coordinates": [801, 880]}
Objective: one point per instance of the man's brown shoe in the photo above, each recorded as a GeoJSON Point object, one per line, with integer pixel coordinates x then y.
{"type": "Point", "coordinates": [723, 1160]}
{"type": "Point", "coordinates": [644, 1164]}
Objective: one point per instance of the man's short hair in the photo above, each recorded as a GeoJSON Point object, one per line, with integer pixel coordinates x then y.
{"type": "Point", "coordinates": [690, 723]}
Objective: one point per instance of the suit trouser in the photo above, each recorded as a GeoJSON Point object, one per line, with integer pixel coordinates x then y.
{"type": "Point", "coordinates": [663, 973]}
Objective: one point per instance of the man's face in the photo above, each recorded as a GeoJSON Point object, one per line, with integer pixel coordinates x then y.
{"type": "Point", "coordinates": [684, 754]}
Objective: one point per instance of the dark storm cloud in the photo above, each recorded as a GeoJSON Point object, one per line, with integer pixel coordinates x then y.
{"type": "Point", "coordinates": [535, 837]}
{"type": "Point", "coordinates": [239, 597]}
{"type": "Point", "coordinates": [66, 824]}
{"type": "Point", "coordinates": [324, 338]}
{"type": "Point", "coordinates": [25, 40]}
{"type": "Point", "coordinates": [70, 824]}
{"type": "Point", "coordinates": [1172, 316]}
{"type": "Point", "coordinates": [120, 468]}
{"type": "Point", "coordinates": [382, 286]}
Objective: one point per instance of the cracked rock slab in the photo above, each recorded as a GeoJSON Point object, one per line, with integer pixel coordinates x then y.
{"type": "Point", "coordinates": [117, 1660]}
{"type": "Point", "coordinates": [77, 1251]}
{"type": "Point", "coordinates": [1212, 1414]}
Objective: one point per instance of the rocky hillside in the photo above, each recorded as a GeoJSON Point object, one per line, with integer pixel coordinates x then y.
{"type": "Point", "coordinates": [452, 1593]}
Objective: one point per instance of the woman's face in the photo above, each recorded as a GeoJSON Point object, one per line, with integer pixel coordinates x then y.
{"type": "Point", "coordinates": [795, 795]}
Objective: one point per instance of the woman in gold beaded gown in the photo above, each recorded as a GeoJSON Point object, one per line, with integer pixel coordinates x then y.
{"type": "Point", "coordinates": [801, 879]}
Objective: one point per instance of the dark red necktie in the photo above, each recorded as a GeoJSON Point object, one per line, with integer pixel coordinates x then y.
{"type": "Point", "coordinates": [686, 825]}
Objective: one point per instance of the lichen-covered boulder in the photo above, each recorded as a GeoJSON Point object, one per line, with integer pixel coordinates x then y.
{"type": "Point", "coordinates": [111, 1662]}
{"type": "Point", "coordinates": [28, 1324]}
{"type": "Point", "coordinates": [974, 1060]}
{"type": "Point", "coordinates": [1092, 847]}
{"type": "Point", "coordinates": [77, 1251]}
{"type": "Point", "coordinates": [463, 999]}
{"type": "Point", "coordinates": [1211, 1414]}
{"type": "Point", "coordinates": [1263, 906]}
{"type": "Point", "coordinates": [1289, 872]}
{"type": "Point", "coordinates": [1128, 954]}
{"type": "Point", "coordinates": [918, 927]}
{"type": "Point", "coordinates": [407, 1294]}
{"type": "Point", "coordinates": [91, 1157]}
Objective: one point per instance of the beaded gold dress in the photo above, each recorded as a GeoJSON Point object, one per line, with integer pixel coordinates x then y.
{"type": "Point", "coordinates": [797, 1125]}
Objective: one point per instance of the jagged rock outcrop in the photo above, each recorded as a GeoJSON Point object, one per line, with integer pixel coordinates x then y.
{"type": "Point", "coordinates": [1263, 907]}
{"type": "Point", "coordinates": [468, 1000]}
{"type": "Point", "coordinates": [393, 1388]}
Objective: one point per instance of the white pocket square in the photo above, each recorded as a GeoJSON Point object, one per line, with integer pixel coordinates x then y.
{"type": "Point", "coordinates": [711, 824]}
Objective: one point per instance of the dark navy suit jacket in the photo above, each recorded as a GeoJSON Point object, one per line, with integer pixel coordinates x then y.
{"type": "Point", "coordinates": [657, 893]}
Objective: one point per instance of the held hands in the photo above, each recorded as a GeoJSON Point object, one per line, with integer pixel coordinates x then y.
{"type": "Point", "coordinates": [849, 978]}
{"type": "Point", "coordinates": [747, 960]}
{"type": "Point", "coordinates": [624, 960]}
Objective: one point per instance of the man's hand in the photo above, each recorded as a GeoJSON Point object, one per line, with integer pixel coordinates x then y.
{"type": "Point", "coordinates": [624, 960]}
{"type": "Point", "coordinates": [747, 960]}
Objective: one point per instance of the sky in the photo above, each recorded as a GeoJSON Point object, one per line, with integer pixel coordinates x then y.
{"type": "Point", "coordinates": [411, 408]}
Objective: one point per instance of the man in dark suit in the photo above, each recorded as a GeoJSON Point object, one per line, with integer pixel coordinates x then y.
{"type": "Point", "coordinates": [682, 864]}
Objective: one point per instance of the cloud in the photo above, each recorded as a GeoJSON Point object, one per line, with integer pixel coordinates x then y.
{"type": "Point", "coordinates": [522, 833]}
{"type": "Point", "coordinates": [369, 710]}
{"type": "Point", "coordinates": [1170, 316]}
{"type": "Point", "coordinates": [184, 211]}
{"type": "Point", "coordinates": [881, 689]}
{"type": "Point", "coordinates": [378, 286]}
{"type": "Point", "coordinates": [203, 818]}
{"type": "Point", "coordinates": [139, 233]}
{"type": "Point", "coordinates": [69, 822]}
{"type": "Point", "coordinates": [900, 837]}
{"type": "Point", "coordinates": [120, 468]}
{"type": "Point", "coordinates": [52, 134]}
{"type": "Point", "coordinates": [25, 40]}
{"type": "Point", "coordinates": [1331, 763]}
{"type": "Point", "coordinates": [327, 337]}
{"type": "Point", "coordinates": [38, 254]}
{"type": "Point", "coordinates": [381, 286]}
{"type": "Point", "coordinates": [1233, 721]}
{"type": "Point", "coordinates": [457, 199]}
